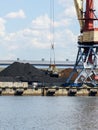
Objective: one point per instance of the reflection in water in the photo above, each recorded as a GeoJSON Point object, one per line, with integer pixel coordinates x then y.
{"type": "Point", "coordinates": [88, 113]}
{"type": "Point", "coordinates": [48, 113]}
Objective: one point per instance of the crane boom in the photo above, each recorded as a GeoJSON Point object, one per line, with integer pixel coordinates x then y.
{"type": "Point", "coordinates": [79, 10]}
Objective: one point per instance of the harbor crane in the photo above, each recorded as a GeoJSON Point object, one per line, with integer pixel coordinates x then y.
{"type": "Point", "coordinates": [87, 55]}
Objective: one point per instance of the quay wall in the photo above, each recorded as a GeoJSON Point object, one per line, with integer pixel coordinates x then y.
{"type": "Point", "coordinates": [13, 84]}
{"type": "Point", "coordinates": [22, 88]}
{"type": "Point", "coordinates": [49, 92]}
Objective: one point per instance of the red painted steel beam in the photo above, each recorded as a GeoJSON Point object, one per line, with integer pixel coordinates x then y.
{"type": "Point", "coordinates": [89, 15]}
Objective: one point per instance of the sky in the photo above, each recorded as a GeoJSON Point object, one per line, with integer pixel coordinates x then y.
{"type": "Point", "coordinates": [29, 27]}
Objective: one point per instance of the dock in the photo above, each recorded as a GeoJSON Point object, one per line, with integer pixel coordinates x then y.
{"type": "Point", "coordinates": [49, 91]}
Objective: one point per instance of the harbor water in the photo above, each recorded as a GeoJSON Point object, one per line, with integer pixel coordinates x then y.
{"type": "Point", "coordinates": [48, 113]}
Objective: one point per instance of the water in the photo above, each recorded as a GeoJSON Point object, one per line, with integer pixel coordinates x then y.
{"type": "Point", "coordinates": [48, 113]}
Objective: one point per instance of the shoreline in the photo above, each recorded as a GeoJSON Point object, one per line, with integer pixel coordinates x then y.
{"type": "Point", "coordinates": [49, 91]}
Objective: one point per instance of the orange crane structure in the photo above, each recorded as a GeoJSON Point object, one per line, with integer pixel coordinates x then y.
{"type": "Point", "coordinates": [87, 55]}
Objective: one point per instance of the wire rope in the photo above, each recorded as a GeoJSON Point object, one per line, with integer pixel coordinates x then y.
{"type": "Point", "coordinates": [52, 52]}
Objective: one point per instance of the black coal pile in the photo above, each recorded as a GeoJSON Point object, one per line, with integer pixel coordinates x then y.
{"type": "Point", "coordinates": [26, 72]}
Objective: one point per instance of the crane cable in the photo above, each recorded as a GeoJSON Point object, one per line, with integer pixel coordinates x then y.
{"type": "Point", "coordinates": [52, 31]}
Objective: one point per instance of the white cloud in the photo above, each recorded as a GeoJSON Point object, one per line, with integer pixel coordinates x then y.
{"type": "Point", "coordinates": [12, 47]}
{"type": "Point", "coordinates": [66, 3]}
{"type": "Point", "coordinates": [44, 22]}
{"type": "Point", "coordinates": [96, 4]}
{"type": "Point", "coordinates": [70, 12]}
{"type": "Point", "coordinates": [68, 9]}
{"type": "Point", "coordinates": [18, 14]}
{"type": "Point", "coordinates": [67, 16]}
{"type": "Point", "coordinates": [2, 27]}
{"type": "Point", "coordinates": [41, 22]}
{"type": "Point", "coordinates": [38, 36]}
{"type": "Point", "coordinates": [29, 32]}
{"type": "Point", "coordinates": [39, 44]}
{"type": "Point", "coordinates": [10, 37]}
{"type": "Point", "coordinates": [9, 56]}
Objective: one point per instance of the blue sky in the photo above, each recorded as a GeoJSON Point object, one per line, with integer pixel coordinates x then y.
{"type": "Point", "coordinates": [25, 29]}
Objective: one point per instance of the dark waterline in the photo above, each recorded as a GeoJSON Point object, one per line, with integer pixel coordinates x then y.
{"type": "Point", "coordinates": [48, 113]}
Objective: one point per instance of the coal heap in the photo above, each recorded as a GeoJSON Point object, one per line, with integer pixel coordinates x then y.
{"type": "Point", "coordinates": [26, 72]}
{"type": "Point", "coordinates": [20, 69]}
